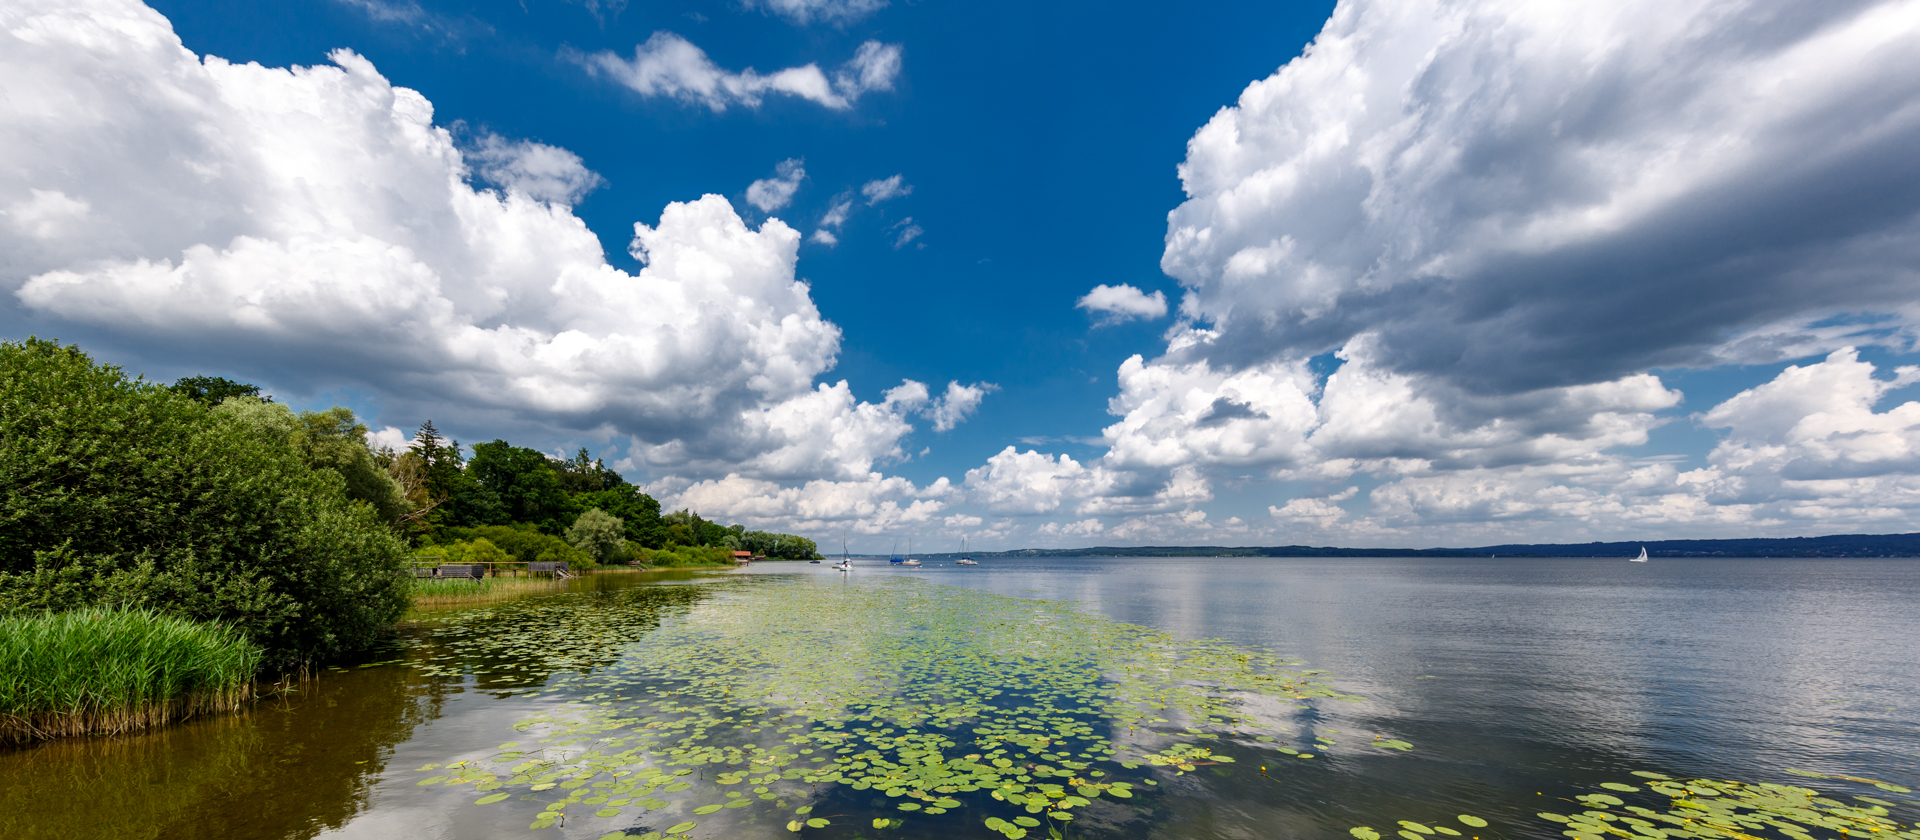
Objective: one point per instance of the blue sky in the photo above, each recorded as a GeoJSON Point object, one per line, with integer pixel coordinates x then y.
{"type": "Point", "coordinates": [1445, 279]}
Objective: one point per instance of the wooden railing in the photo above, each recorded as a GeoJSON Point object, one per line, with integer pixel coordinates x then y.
{"type": "Point", "coordinates": [493, 568]}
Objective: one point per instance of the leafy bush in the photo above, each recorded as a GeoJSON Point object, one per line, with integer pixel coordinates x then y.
{"type": "Point", "coordinates": [686, 555]}
{"type": "Point", "coordinates": [115, 492]}
{"type": "Point", "coordinates": [109, 671]}
{"type": "Point", "coordinates": [599, 535]}
{"type": "Point", "coordinates": [481, 550]}
{"type": "Point", "coordinates": [522, 543]}
{"type": "Point", "coordinates": [331, 440]}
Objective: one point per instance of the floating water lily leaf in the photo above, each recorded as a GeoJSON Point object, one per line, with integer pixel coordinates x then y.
{"type": "Point", "coordinates": [1414, 826]}
{"type": "Point", "coordinates": [818, 822]}
{"type": "Point", "coordinates": [682, 827]}
{"type": "Point", "coordinates": [1364, 833]}
{"type": "Point", "coordinates": [954, 698]}
{"type": "Point", "coordinates": [1469, 819]}
{"type": "Point", "coordinates": [1619, 787]}
{"type": "Point", "coordinates": [794, 825]}
{"type": "Point", "coordinates": [490, 799]}
{"type": "Point", "coordinates": [882, 822]}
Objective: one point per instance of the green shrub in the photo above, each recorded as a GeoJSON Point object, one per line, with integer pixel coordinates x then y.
{"type": "Point", "coordinates": [599, 535]}
{"type": "Point", "coordinates": [480, 550]}
{"type": "Point", "coordinates": [523, 543]}
{"type": "Point", "coordinates": [99, 670]}
{"type": "Point", "coordinates": [686, 555]}
{"type": "Point", "coordinates": [115, 492]}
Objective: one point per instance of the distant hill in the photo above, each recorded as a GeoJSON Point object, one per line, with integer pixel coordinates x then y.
{"type": "Point", "coordinates": [1838, 545]}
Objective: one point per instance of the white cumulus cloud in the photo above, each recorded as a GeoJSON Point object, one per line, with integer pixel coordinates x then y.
{"type": "Point", "coordinates": [669, 65]}
{"type": "Point", "coordinates": [536, 170]}
{"type": "Point", "coordinates": [1516, 195]}
{"type": "Point", "coordinates": [770, 194]}
{"type": "Point", "coordinates": [1121, 303]}
{"type": "Point", "coordinates": [957, 404]}
{"type": "Point", "coordinates": [313, 227]}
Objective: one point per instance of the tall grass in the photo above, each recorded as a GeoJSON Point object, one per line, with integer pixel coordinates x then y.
{"type": "Point", "coordinates": [111, 671]}
{"type": "Point", "coordinates": [440, 592]}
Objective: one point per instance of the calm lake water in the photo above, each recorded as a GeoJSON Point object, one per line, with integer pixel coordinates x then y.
{"type": "Point", "coordinates": [1518, 682]}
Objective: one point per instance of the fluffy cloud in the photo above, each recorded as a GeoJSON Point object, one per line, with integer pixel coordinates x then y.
{"type": "Point", "coordinates": [536, 170]}
{"type": "Point", "coordinates": [873, 504]}
{"type": "Point", "coordinates": [770, 194]}
{"type": "Point", "coordinates": [803, 12]}
{"type": "Point", "coordinates": [1117, 304]}
{"type": "Point", "coordinates": [1445, 247]}
{"type": "Point", "coordinates": [312, 226]}
{"type": "Point", "coordinates": [886, 189]}
{"type": "Point", "coordinates": [671, 66]}
{"type": "Point", "coordinates": [960, 401]}
{"type": "Point", "coordinates": [1513, 195]}
{"type": "Point", "coordinates": [1033, 483]}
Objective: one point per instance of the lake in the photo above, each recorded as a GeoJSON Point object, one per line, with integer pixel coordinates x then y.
{"type": "Point", "coordinates": [1095, 698]}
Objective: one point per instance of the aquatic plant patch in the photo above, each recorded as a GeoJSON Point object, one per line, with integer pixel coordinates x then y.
{"type": "Point", "coordinates": [799, 703]}
{"type": "Point", "coordinates": [1659, 806]}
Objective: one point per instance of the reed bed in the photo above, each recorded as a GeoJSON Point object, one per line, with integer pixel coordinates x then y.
{"type": "Point", "coordinates": [110, 671]}
{"type": "Point", "coordinates": [441, 592]}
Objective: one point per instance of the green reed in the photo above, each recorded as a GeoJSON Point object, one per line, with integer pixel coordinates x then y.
{"type": "Point", "coordinates": [436, 592]}
{"type": "Point", "coordinates": [111, 671]}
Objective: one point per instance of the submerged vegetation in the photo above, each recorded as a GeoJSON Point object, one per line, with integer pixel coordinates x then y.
{"type": "Point", "coordinates": [1025, 711]}
{"type": "Point", "coordinates": [110, 671]}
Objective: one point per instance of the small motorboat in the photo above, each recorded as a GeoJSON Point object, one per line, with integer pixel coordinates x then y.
{"type": "Point", "coordinates": [814, 562]}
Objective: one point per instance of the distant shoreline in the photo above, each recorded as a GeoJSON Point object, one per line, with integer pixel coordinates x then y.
{"type": "Point", "coordinates": [1838, 545]}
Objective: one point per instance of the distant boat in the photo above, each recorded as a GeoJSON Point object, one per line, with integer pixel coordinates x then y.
{"type": "Point", "coordinates": [846, 563]}
{"type": "Point", "coordinates": [909, 561]}
{"type": "Point", "coordinates": [1642, 558]}
{"type": "Point", "coordinates": [897, 560]}
{"type": "Point", "coordinates": [964, 559]}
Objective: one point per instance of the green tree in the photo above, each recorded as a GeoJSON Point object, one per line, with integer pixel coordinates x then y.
{"type": "Point", "coordinates": [639, 511]}
{"type": "Point", "coordinates": [525, 481]}
{"type": "Point", "coordinates": [599, 535]}
{"type": "Point", "coordinates": [329, 440]}
{"type": "Point", "coordinates": [117, 492]}
{"type": "Point", "coordinates": [585, 474]}
{"type": "Point", "coordinates": [214, 390]}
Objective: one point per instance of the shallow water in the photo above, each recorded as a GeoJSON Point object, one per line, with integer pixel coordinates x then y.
{"type": "Point", "coordinates": [1518, 682]}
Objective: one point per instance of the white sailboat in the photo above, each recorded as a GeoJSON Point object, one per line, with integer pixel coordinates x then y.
{"type": "Point", "coordinates": [846, 563]}
{"type": "Point", "coordinates": [964, 559]}
{"type": "Point", "coordinates": [909, 561]}
{"type": "Point", "coordinates": [1643, 556]}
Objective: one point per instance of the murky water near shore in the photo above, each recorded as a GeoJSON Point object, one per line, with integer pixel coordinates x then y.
{"type": "Point", "coordinates": [1515, 684]}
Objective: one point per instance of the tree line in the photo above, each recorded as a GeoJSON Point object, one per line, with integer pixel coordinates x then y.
{"type": "Point", "coordinates": [207, 500]}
